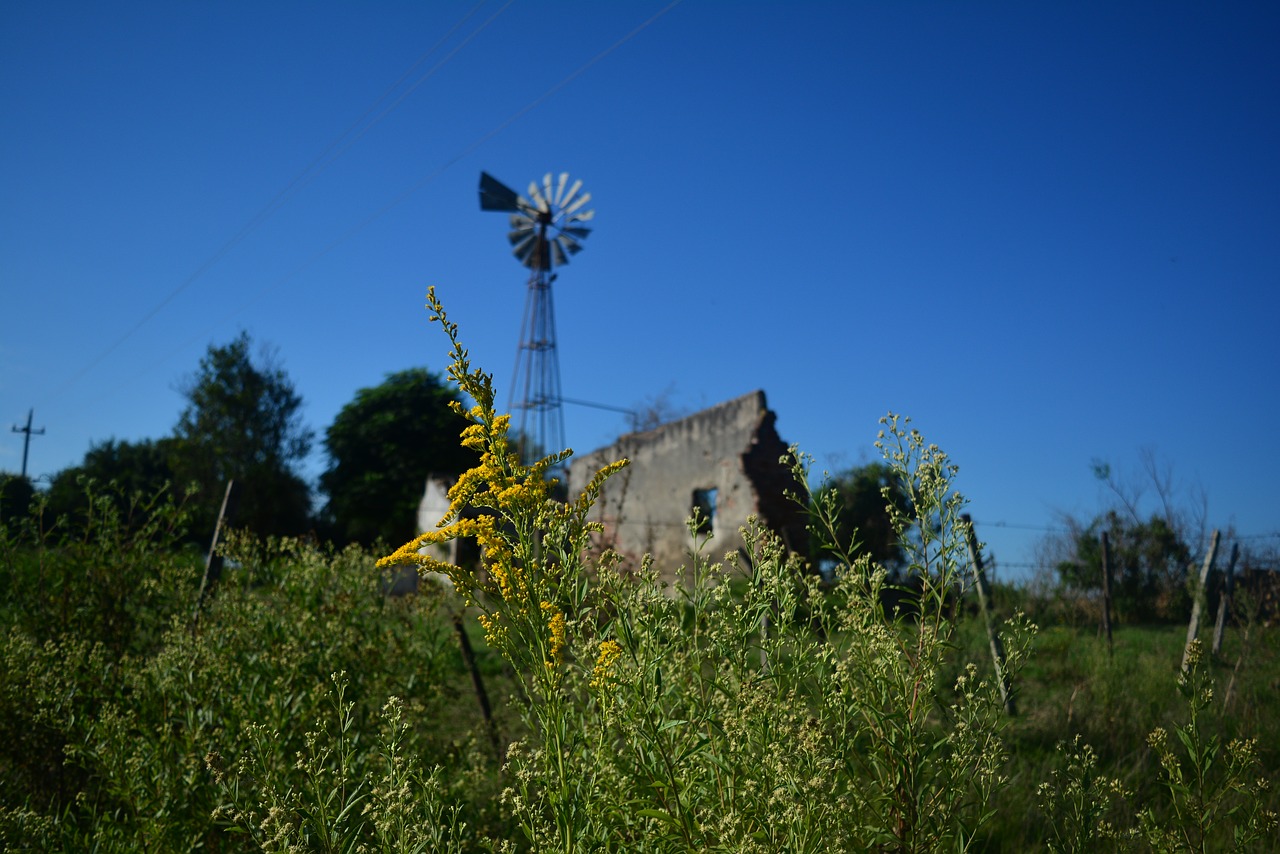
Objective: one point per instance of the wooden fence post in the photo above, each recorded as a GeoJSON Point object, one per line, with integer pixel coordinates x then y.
{"type": "Point", "coordinates": [1193, 627]}
{"type": "Point", "coordinates": [1106, 591]}
{"type": "Point", "coordinates": [1224, 600]}
{"type": "Point", "coordinates": [993, 633]}
{"type": "Point", "coordinates": [477, 682]}
{"type": "Point", "coordinates": [213, 562]}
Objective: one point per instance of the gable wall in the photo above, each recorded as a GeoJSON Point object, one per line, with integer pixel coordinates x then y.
{"type": "Point", "coordinates": [732, 448]}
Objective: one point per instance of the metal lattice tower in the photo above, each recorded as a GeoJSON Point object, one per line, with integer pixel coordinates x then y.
{"type": "Point", "coordinates": [546, 229]}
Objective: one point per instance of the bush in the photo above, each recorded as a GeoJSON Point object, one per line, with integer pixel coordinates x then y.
{"type": "Point", "coordinates": [118, 743]}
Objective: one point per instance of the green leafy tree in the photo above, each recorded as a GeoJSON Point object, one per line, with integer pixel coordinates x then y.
{"type": "Point", "coordinates": [381, 447]}
{"type": "Point", "coordinates": [864, 495]}
{"type": "Point", "coordinates": [1152, 543]}
{"type": "Point", "coordinates": [1148, 562]}
{"type": "Point", "coordinates": [243, 421]}
{"type": "Point", "coordinates": [136, 468]}
{"type": "Point", "coordinates": [16, 492]}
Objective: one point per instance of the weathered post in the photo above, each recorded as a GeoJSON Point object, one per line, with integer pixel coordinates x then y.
{"type": "Point", "coordinates": [1106, 591]}
{"type": "Point", "coordinates": [1224, 600]}
{"type": "Point", "coordinates": [993, 633]}
{"type": "Point", "coordinates": [213, 562]}
{"type": "Point", "coordinates": [1193, 627]}
{"type": "Point", "coordinates": [477, 682]}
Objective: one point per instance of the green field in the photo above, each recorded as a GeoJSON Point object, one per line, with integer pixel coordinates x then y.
{"type": "Point", "coordinates": [127, 726]}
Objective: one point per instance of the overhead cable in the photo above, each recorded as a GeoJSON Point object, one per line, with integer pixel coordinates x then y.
{"type": "Point", "coordinates": [309, 173]}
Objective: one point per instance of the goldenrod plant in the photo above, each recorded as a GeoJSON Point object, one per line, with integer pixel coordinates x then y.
{"type": "Point", "coordinates": [744, 707]}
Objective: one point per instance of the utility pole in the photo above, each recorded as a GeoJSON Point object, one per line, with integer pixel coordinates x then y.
{"type": "Point", "coordinates": [26, 441]}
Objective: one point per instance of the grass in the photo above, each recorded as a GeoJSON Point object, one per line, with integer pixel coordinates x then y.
{"type": "Point", "coordinates": [1072, 687]}
{"type": "Point", "coordinates": [84, 719]}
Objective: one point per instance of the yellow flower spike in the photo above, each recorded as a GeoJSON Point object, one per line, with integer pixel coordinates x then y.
{"type": "Point", "coordinates": [495, 633]}
{"type": "Point", "coordinates": [473, 437]}
{"type": "Point", "coordinates": [555, 624]}
{"type": "Point", "coordinates": [602, 673]}
{"type": "Point", "coordinates": [592, 491]}
{"type": "Point", "coordinates": [410, 551]}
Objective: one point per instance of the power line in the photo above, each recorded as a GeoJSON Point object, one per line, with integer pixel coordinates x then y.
{"type": "Point", "coordinates": [1021, 526]}
{"type": "Point", "coordinates": [396, 201]}
{"type": "Point", "coordinates": [1059, 530]}
{"type": "Point", "coordinates": [605, 406]}
{"type": "Point", "coordinates": [303, 179]}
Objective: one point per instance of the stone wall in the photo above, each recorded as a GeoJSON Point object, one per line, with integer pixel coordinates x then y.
{"type": "Point", "coordinates": [725, 459]}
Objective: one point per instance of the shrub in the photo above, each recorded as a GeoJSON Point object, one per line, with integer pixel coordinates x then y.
{"type": "Point", "coordinates": [119, 745]}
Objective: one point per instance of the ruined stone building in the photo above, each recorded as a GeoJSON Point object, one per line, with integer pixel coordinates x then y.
{"type": "Point", "coordinates": [724, 461]}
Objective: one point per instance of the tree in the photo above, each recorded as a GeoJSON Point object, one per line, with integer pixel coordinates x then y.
{"type": "Point", "coordinates": [1148, 561]}
{"type": "Point", "coordinates": [16, 493]}
{"type": "Point", "coordinates": [381, 447]}
{"type": "Point", "coordinates": [137, 468]}
{"type": "Point", "coordinates": [243, 421]}
{"type": "Point", "coordinates": [1150, 553]}
{"type": "Point", "coordinates": [654, 411]}
{"type": "Point", "coordinates": [864, 495]}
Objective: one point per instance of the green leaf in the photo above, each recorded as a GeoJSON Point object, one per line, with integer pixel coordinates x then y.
{"type": "Point", "coordinates": [661, 814]}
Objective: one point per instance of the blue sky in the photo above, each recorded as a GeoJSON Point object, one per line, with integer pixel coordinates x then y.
{"type": "Point", "coordinates": [1048, 232]}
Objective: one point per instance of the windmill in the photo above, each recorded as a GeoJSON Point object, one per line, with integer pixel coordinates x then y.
{"type": "Point", "coordinates": [546, 229]}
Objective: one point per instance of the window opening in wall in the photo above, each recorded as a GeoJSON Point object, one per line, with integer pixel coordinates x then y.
{"type": "Point", "coordinates": [704, 503]}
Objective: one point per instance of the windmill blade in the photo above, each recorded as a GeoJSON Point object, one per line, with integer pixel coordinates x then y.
{"type": "Point", "coordinates": [576, 231]}
{"type": "Point", "coordinates": [581, 217]}
{"type": "Point", "coordinates": [573, 191]}
{"type": "Point", "coordinates": [518, 239]}
{"type": "Point", "coordinates": [582, 200]}
{"type": "Point", "coordinates": [522, 221]}
{"type": "Point", "coordinates": [558, 256]}
{"type": "Point", "coordinates": [547, 192]}
{"type": "Point", "coordinates": [570, 245]}
{"type": "Point", "coordinates": [539, 255]}
{"type": "Point", "coordinates": [496, 196]}
{"type": "Point", "coordinates": [526, 251]}
{"type": "Point", "coordinates": [564, 179]}
{"type": "Point", "coordinates": [538, 200]}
